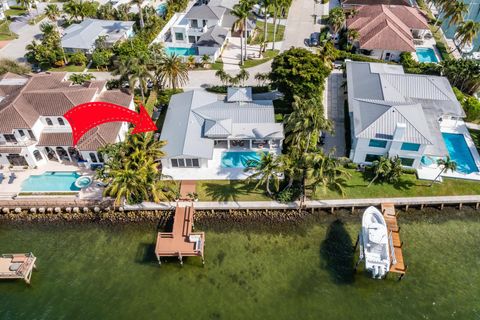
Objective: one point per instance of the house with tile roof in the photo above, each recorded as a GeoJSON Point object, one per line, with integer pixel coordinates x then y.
{"type": "Point", "coordinates": [397, 114]}
{"type": "Point", "coordinates": [203, 30]}
{"type": "Point", "coordinates": [202, 131]}
{"type": "Point", "coordinates": [33, 130]}
{"type": "Point", "coordinates": [356, 4]}
{"type": "Point", "coordinates": [387, 31]}
{"type": "Point", "coordinates": [82, 36]}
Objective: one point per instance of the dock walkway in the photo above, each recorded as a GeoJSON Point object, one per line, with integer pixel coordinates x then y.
{"type": "Point", "coordinates": [17, 266]}
{"type": "Point", "coordinates": [398, 264]}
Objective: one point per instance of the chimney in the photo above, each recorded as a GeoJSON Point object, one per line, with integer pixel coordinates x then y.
{"type": "Point", "coordinates": [399, 131]}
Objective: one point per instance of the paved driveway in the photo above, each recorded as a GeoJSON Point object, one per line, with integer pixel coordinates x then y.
{"type": "Point", "coordinates": [335, 111]}
{"type": "Point", "coordinates": [16, 48]}
{"type": "Point", "coordinates": [300, 23]}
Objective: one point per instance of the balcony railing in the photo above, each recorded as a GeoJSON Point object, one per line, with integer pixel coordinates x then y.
{"type": "Point", "coordinates": [25, 143]}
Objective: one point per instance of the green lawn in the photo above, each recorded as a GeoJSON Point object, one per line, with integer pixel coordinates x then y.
{"type": "Point", "coordinates": [217, 65]}
{"type": "Point", "coordinates": [69, 68]}
{"type": "Point", "coordinates": [267, 55]}
{"type": "Point", "coordinates": [259, 33]}
{"type": "Point", "coordinates": [5, 33]}
{"type": "Point", "coordinates": [409, 186]}
{"type": "Point", "coordinates": [15, 12]}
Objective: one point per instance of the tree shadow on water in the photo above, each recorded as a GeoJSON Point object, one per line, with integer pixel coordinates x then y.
{"type": "Point", "coordinates": [146, 253]}
{"type": "Point", "coordinates": [337, 253]}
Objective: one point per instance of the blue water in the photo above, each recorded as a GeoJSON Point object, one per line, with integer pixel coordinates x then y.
{"type": "Point", "coordinates": [181, 51]}
{"type": "Point", "coordinates": [459, 152]}
{"type": "Point", "coordinates": [161, 9]}
{"type": "Point", "coordinates": [473, 14]}
{"type": "Point", "coordinates": [51, 182]}
{"type": "Point", "coordinates": [238, 159]}
{"type": "Point", "coordinates": [426, 55]}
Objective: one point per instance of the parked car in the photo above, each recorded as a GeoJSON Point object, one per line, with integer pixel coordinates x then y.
{"type": "Point", "coordinates": [313, 42]}
{"type": "Point", "coordinates": [36, 68]}
{"type": "Point", "coordinates": [259, 11]}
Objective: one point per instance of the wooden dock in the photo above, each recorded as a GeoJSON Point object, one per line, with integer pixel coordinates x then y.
{"type": "Point", "coordinates": [17, 266]}
{"type": "Point", "coordinates": [181, 242]}
{"type": "Point", "coordinates": [398, 263]}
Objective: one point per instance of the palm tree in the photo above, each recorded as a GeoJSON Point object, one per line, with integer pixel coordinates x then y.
{"type": "Point", "coordinates": [455, 12]}
{"type": "Point", "coordinates": [139, 3]}
{"type": "Point", "coordinates": [326, 172]}
{"type": "Point", "coordinates": [381, 168]}
{"type": "Point", "coordinates": [352, 35]}
{"type": "Point", "coordinates": [262, 78]}
{"type": "Point", "coordinates": [243, 75]}
{"type": "Point", "coordinates": [223, 76]}
{"type": "Point", "coordinates": [139, 73]}
{"type": "Point", "coordinates": [336, 19]}
{"type": "Point", "coordinates": [172, 71]}
{"type": "Point", "coordinates": [81, 78]}
{"type": "Point", "coordinates": [241, 12]}
{"type": "Point", "coordinates": [266, 6]}
{"type": "Point", "coordinates": [467, 31]}
{"type": "Point", "coordinates": [126, 183]}
{"type": "Point", "coordinates": [266, 171]}
{"type": "Point", "coordinates": [72, 8]}
{"type": "Point", "coordinates": [328, 53]}
{"type": "Point", "coordinates": [52, 12]}
{"type": "Point", "coordinates": [123, 11]}
{"type": "Point", "coordinates": [446, 165]}
{"type": "Point", "coordinates": [205, 60]}
{"type": "Point", "coordinates": [442, 6]}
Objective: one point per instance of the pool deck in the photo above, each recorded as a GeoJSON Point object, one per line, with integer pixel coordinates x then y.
{"type": "Point", "coordinates": [9, 190]}
{"type": "Point", "coordinates": [214, 169]}
{"type": "Point", "coordinates": [456, 127]}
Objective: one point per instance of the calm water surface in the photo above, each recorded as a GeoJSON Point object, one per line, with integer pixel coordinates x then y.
{"type": "Point", "coordinates": [101, 272]}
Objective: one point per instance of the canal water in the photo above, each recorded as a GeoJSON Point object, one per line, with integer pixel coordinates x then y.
{"type": "Point", "coordinates": [304, 272]}
{"type": "Point", "coordinates": [473, 14]}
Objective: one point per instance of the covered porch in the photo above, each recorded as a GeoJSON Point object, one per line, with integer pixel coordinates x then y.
{"type": "Point", "coordinates": [244, 144]}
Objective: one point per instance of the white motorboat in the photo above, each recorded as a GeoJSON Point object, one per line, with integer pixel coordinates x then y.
{"type": "Point", "coordinates": [374, 243]}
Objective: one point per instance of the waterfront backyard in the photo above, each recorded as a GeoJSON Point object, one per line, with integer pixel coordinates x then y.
{"type": "Point", "coordinates": [253, 271]}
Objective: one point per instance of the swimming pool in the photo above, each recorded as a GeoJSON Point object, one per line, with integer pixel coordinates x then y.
{"type": "Point", "coordinates": [51, 182]}
{"type": "Point", "coordinates": [238, 159]}
{"type": "Point", "coordinates": [426, 55]}
{"type": "Point", "coordinates": [459, 152]}
{"type": "Point", "coordinates": [181, 51]}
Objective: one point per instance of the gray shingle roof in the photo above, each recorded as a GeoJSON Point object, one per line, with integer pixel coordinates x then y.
{"type": "Point", "coordinates": [195, 118]}
{"type": "Point", "coordinates": [381, 96]}
{"type": "Point", "coordinates": [84, 34]}
{"type": "Point", "coordinates": [239, 94]}
{"type": "Point", "coordinates": [205, 12]}
{"type": "Point", "coordinates": [214, 37]}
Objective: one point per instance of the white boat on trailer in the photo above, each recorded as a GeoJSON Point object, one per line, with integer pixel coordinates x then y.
{"type": "Point", "coordinates": [374, 243]}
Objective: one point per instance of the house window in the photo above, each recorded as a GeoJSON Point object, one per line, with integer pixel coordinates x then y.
{"type": "Point", "coordinates": [185, 163]}
{"type": "Point", "coordinates": [60, 121]}
{"type": "Point", "coordinates": [10, 138]}
{"type": "Point", "coordinates": [37, 155]}
{"type": "Point", "coordinates": [93, 157]}
{"type": "Point", "coordinates": [22, 133]}
{"type": "Point", "coordinates": [194, 23]}
{"type": "Point", "coordinates": [377, 143]}
{"type": "Point", "coordinates": [191, 39]}
{"type": "Point", "coordinates": [372, 157]}
{"type": "Point", "coordinates": [32, 136]}
{"type": "Point", "coordinates": [49, 121]}
{"type": "Point", "coordinates": [407, 162]}
{"type": "Point", "coordinates": [179, 36]}
{"type": "Point", "coordinates": [204, 23]}
{"type": "Point", "coordinates": [410, 146]}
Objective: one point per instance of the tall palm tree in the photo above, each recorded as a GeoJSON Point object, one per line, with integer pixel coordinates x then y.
{"type": "Point", "coordinates": [172, 71]}
{"type": "Point", "coordinates": [328, 53]}
{"type": "Point", "coordinates": [243, 75]}
{"type": "Point", "coordinates": [352, 35]}
{"type": "Point", "coordinates": [241, 12]}
{"type": "Point", "coordinates": [446, 165]}
{"type": "Point", "coordinates": [266, 4]}
{"type": "Point", "coordinates": [126, 183]}
{"type": "Point", "coordinates": [336, 19]}
{"type": "Point", "coordinates": [73, 9]}
{"type": "Point", "coordinates": [123, 11]}
{"type": "Point", "coordinates": [266, 171]}
{"type": "Point", "coordinates": [139, 3]}
{"type": "Point", "coordinates": [467, 31]}
{"type": "Point", "coordinates": [442, 6]}
{"type": "Point", "coordinates": [139, 73]}
{"type": "Point", "coordinates": [52, 12]}
{"type": "Point", "coordinates": [455, 12]}
{"type": "Point", "coordinates": [326, 172]}
{"type": "Point", "coordinates": [223, 76]}
{"type": "Point", "coordinates": [381, 168]}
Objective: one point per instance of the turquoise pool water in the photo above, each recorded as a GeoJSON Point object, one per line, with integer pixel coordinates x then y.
{"type": "Point", "coordinates": [238, 159]}
{"type": "Point", "coordinates": [426, 55]}
{"type": "Point", "coordinates": [51, 182]}
{"type": "Point", "coordinates": [459, 152]}
{"type": "Point", "coordinates": [181, 51]}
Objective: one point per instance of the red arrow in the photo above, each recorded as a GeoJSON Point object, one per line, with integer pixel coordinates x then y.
{"type": "Point", "coordinates": [88, 115]}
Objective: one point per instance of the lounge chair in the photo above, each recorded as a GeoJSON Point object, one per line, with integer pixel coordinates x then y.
{"type": "Point", "coordinates": [11, 178]}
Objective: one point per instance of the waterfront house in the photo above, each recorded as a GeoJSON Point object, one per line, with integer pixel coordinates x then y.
{"type": "Point", "coordinates": [387, 31]}
{"type": "Point", "coordinates": [356, 4]}
{"type": "Point", "coordinates": [82, 36]}
{"type": "Point", "coordinates": [208, 138]}
{"type": "Point", "coordinates": [33, 130]}
{"type": "Point", "coordinates": [203, 30]}
{"type": "Point", "coordinates": [407, 115]}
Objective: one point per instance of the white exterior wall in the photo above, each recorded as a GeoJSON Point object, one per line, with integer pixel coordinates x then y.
{"type": "Point", "coordinates": [361, 148]}
{"type": "Point", "coordinates": [167, 163]}
{"type": "Point", "coordinates": [381, 54]}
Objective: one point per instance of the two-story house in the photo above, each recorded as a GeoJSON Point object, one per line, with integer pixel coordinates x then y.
{"type": "Point", "coordinates": [203, 30]}
{"type": "Point", "coordinates": [33, 130]}
{"type": "Point", "coordinates": [397, 114]}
